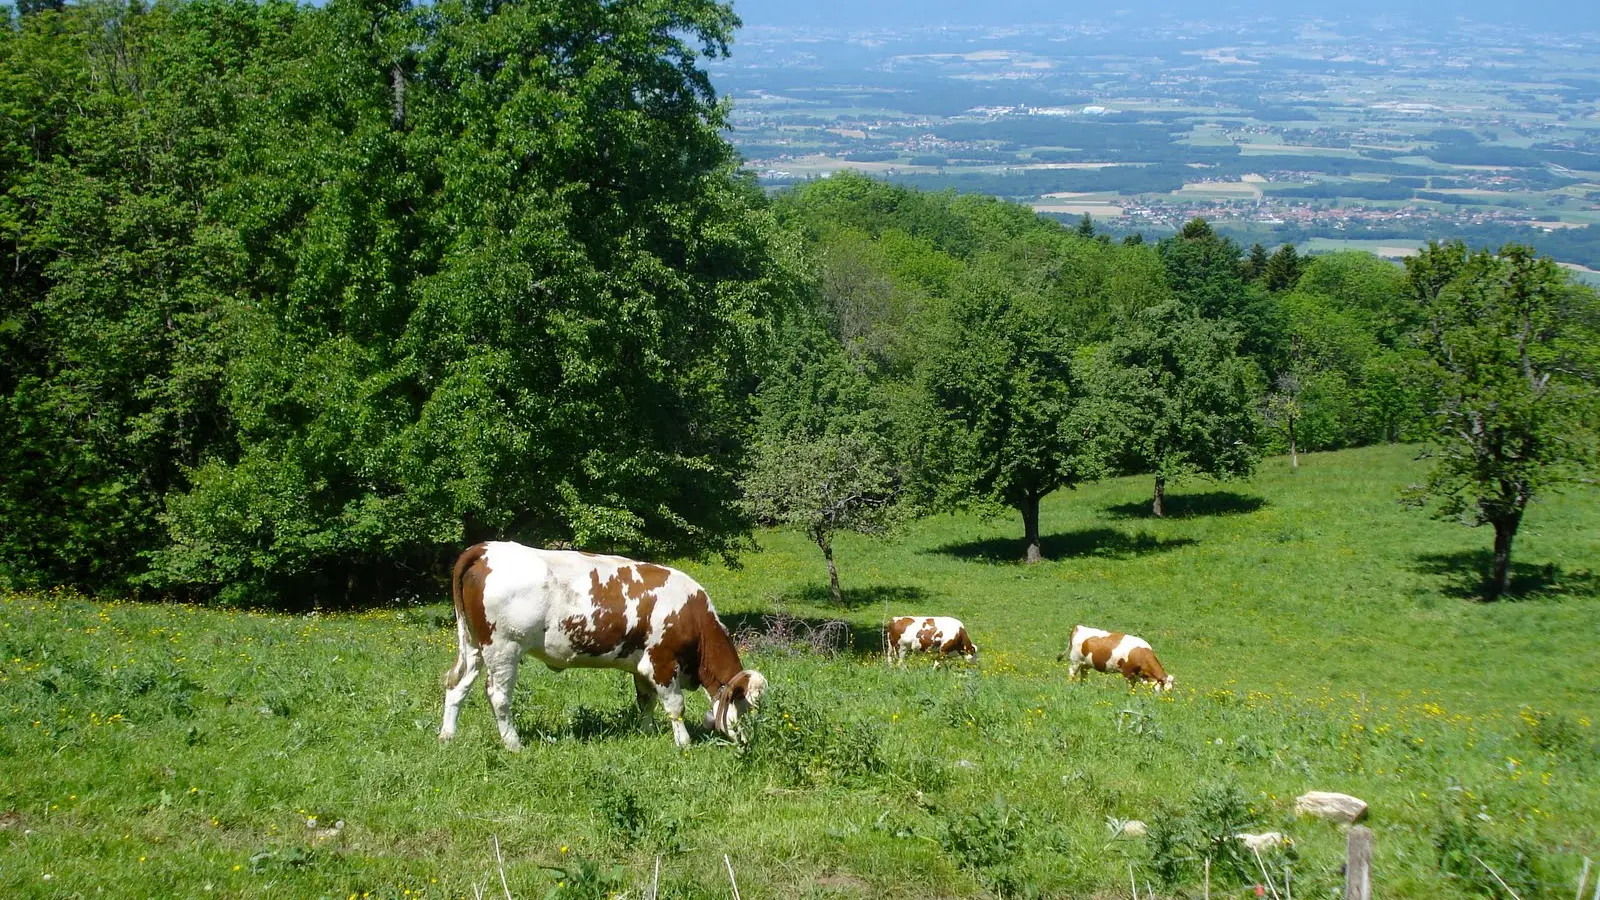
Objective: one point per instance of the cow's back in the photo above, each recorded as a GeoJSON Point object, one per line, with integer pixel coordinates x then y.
{"type": "Point", "coordinates": [570, 608]}
{"type": "Point", "coordinates": [923, 632]}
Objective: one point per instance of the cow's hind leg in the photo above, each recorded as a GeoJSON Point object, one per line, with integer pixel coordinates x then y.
{"type": "Point", "coordinates": [500, 677]}
{"type": "Point", "coordinates": [457, 682]}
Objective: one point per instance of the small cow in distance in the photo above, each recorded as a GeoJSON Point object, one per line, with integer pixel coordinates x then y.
{"type": "Point", "coordinates": [1113, 651]}
{"type": "Point", "coordinates": [570, 609]}
{"type": "Point", "coordinates": [941, 635]}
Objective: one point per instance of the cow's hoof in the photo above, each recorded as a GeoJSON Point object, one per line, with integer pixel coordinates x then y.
{"type": "Point", "coordinates": [446, 737]}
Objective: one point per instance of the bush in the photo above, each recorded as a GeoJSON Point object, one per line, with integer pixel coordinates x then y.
{"type": "Point", "coordinates": [1180, 840]}
{"type": "Point", "coordinates": [987, 842]}
{"type": "Point", "coordinates": [790, 737]}
{"type": "Point", "coordinates": [1465, 848]}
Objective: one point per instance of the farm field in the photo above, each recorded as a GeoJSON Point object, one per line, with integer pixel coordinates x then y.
{"type": "Point", "coordinates": [1415, 137]}
{"type": "Point", "coordinates": [1319, 633]}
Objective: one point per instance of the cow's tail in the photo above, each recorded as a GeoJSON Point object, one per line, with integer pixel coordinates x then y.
{"type": "Point", "coordinates": [1072, 638]}
{"type": "Point", "coordinates": [466, 642]}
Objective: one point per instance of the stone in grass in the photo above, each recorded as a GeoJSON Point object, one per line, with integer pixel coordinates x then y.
{"type": "Point", "coordinates": [1331, 806]}
{"type": "Point", "coordinates": [1263, 842]}
{"type": "Point", "coordinates": [1134, 828]}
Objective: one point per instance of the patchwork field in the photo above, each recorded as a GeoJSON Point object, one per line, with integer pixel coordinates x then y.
{"type": "Point", "coordinates": [1319, 632]}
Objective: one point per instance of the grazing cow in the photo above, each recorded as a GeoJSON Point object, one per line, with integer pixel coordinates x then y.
{"type": "Point", "coordinates": [571, 609]}
{"type": "Point", "coordinates": [1113, 651]}
{"type": "Point", "coordinates": [937, 634]}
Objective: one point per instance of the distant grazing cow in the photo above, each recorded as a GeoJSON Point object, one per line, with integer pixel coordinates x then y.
{"type": "Point", "coordinates": [571, 609]}
{"type": "Point", "coordinates": [1113, 651]}
{"type": "Point", "coordinates": [936, 634]}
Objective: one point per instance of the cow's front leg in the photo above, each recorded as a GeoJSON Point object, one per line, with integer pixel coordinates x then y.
{"type": "Point", "coordinates": [672, 702]}
{"type": "Point", "coordinates": [500, 680]}
{"type": "Point", "coordinates": [644, 695]}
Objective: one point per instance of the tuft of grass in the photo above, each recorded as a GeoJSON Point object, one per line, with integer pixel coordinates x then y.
{"type": "Point", "coordinates": [172, 751]}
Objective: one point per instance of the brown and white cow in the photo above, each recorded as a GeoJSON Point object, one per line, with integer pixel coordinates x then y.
{"type": "Point", "coordinates": [933, 634]}
{"type": "Point", "coordinates": [1113, 651]}
{"type": "Point", "coordinates": [571, 609]}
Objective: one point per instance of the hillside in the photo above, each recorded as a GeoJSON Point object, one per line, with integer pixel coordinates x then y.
{"type": "Point", "coordinates": [1314, 625]}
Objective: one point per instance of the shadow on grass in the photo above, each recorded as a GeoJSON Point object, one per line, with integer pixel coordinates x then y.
{"type": "Point", "coordinates": [895, 595]}
{"type": "Point", "coordinates": [1466, 572]}
{"type": "Point", "coordinates": [1189, 506]}
{"type": "Point", "coordinates": [1103, 542]}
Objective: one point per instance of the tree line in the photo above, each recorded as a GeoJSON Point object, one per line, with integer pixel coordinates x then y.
{"type": "Point", "coordinates": [298, 299]}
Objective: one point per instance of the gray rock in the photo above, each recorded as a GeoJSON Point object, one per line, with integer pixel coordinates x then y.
{"type": "Point", "coordinates": [1263, 842]}
{"type": "Point", "coordinates": [1331, 806]}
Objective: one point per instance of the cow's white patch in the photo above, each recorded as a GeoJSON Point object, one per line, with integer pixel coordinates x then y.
{"type": "Point", "coordinates": [535, 600]}
{"type": "Point", "coordinates": [944, 630]}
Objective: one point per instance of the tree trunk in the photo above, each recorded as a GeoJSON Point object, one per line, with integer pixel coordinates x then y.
{"type": "Point", "coordinates": [1505, 530]}
{"type": "Point", "coordinates": [1030, 526]}
{"type": "Point", "coordinates": [833, 571]}
{"type": "Point", "coordinates": [1294, 455]}
{"type": "Point", "coordinates": [397, 82]}
{"type": "Point", "coordinates": [1161, 496]}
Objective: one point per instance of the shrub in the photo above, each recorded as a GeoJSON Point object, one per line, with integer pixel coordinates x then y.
{"type": "Point", "coordinates": [794, 739]}
{"type": "Point", "coordinates": [1180, 839]}
{"type": "Point", "coordinates": [987, 842]}
{"type": "Point", "coordinates": [584, 880]}
{"type": "Point", "coordinates": [1553, 733]}
{"type": "Point", "coordinates": [1465, 848]}
{"type": "Point", "coordinates": [633, 822]}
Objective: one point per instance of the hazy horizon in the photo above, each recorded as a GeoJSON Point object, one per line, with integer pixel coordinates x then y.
{"type": "Point", "coordinates": [885, 13]}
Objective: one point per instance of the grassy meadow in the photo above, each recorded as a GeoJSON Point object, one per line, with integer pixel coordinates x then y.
{"type": "Point", "coordinates": [1320, 635]}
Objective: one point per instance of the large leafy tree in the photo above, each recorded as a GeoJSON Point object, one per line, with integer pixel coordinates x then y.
{"type": "Point", "coordinates": [119, 282]}
{"type": "Point", "coordinates": [1511, 345]}
{"type": "Point", "coordinates": [313, 293]}
{"type": "Point", "coordinates": [1205, 271]}
{"type": "Point", "coordinates": [1172, 397]}
{"type": "Point", "coordinates": [548, 295]}
{"type": "Point", "coordinates": [1004, 427]}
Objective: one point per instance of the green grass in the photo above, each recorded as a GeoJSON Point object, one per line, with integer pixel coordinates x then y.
{"type": "Point", "coordinates": [1317, 630]}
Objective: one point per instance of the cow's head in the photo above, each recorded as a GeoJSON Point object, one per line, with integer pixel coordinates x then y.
{"type": "Point", "coordinates": [735, 700]}
{"type": "Point", "coordinates": [1164, 684]}
{"type": "Point", "coordinates": [969, 650]}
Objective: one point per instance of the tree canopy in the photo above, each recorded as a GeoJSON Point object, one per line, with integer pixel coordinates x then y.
{"type": "Point", "coordinates": [303, 296]}
{"type": "Point", "coordinates": [1511, 350]}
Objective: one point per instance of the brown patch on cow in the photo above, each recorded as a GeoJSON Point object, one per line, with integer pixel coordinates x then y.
{"type": "Point", "coordinates": [1099, 649]}
{"type": "Point", "coordinates": [925, 635]}
{"type": "Point", "coordinates": [897, 628]}
{"type": "Point", "coordinates": [694, 646]}
{"type": "Point", "coordinates": [606, 631]}
{"type": "Point", "coordinates": [466, 589]}
{"type": "Point", "coordinates": [1142, 663]}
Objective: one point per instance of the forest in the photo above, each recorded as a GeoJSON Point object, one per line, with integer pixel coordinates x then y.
{"type": "Point", "coordinates": [297, 300]}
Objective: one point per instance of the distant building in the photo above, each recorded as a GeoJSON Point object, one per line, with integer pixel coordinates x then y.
{"type": "Point", "coordinates": [1094, 110]}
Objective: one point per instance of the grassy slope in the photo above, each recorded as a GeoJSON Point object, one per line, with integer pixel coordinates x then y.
{"type": "Point", "coordinates": [1312, 624]}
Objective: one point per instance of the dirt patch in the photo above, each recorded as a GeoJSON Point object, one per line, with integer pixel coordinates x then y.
{"type": "Point", "coordinates": [845, 883]}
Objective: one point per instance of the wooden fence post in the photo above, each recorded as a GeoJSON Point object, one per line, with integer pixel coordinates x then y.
{"type": "Point", "coordinates": [1358, 864]}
